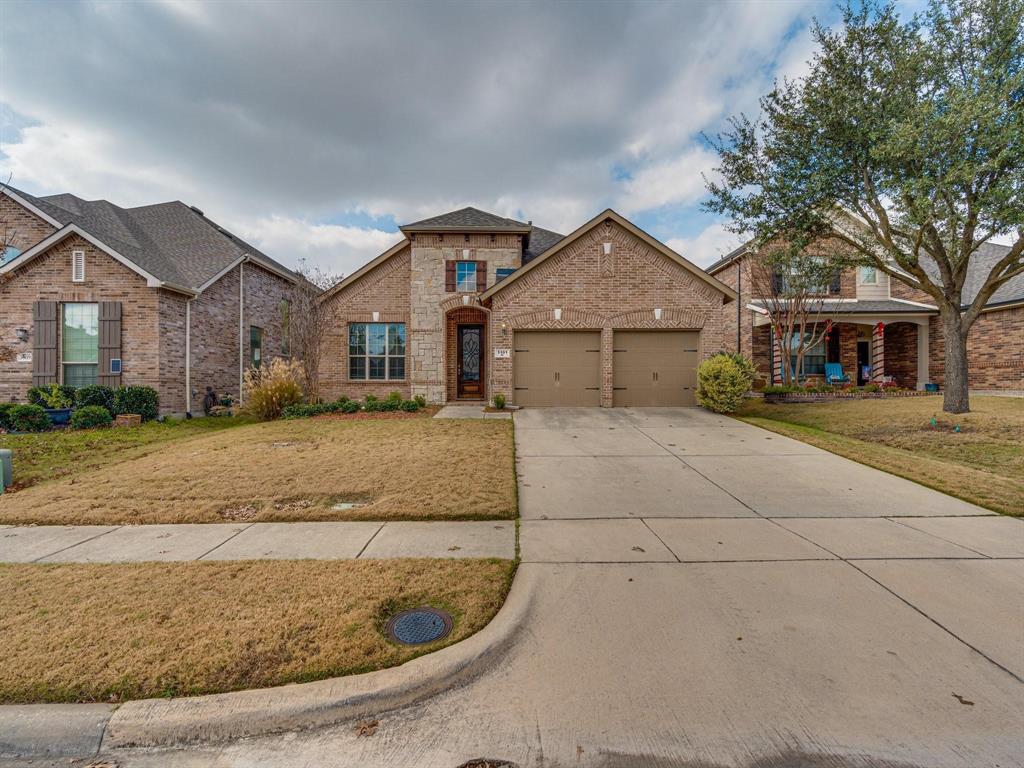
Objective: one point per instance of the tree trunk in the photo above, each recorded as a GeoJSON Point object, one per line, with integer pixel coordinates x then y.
{"type": "Point", "coordinates": [955, 398]}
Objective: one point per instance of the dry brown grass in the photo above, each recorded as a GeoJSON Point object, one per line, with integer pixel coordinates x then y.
{"type": "Point", "coordinates": [413, 469]}
{"type": "Point", "coordinates": [116, 632]}
{"type": "Point", "coordinates": [983, 463]}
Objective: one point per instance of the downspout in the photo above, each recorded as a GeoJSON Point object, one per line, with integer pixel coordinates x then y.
{"type": "Point", "coordinates": [241, 324]}
{"type": "Point", "coordinates": [739, 304]}
{"type": "Point", "coordinates": [188, 358]}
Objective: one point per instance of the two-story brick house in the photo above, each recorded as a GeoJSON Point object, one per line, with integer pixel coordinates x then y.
{"type": "Point", "coordinates": [468, 305]}
{"type": "Point", "coordinates": [157, 295]}
{"type": "Point", "coordinates": [884, 330]}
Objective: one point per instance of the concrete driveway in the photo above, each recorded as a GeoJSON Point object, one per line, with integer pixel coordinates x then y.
{"type": "Point", "coordinates": [709, 594]}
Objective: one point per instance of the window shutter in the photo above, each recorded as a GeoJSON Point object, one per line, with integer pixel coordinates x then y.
{"type": "Point", "coordinates": [836, 285]}
{"type": "Point", "coordinates": [449, 276]}
{"type": "Point", "coordinates": [44, 343]}
{"type": "Point", "coordinates": [110, 342]}
{"type": "Point", "coordinates": [776, 283]}
{"type": "Point", "coordinates": [481, 276]}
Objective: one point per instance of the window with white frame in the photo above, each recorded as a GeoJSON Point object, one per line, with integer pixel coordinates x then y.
{"type": "Point", "coordinates": [78, 266]}
{"type": "Point", "coordinates": [867, 275]}
{"type": "Point", "coordinates": [80, 344]}
{"type": "Point", "coordinates": [376, 351]}
{"type": "Point", "coordinates": [465, 275]}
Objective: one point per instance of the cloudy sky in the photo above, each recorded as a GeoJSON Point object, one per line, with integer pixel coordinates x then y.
{"type": "Point", "coordinates": [315, 128]}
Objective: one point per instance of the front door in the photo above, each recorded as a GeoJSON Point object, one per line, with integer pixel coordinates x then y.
{"type": "Point", "coordinates": [471, 361]}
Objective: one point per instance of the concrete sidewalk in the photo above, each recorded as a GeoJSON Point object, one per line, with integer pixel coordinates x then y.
{"type": "Point", "coordinates": [256, 541]}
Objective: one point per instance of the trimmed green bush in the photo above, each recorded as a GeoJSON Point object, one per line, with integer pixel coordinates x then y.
{"type": "Point", "coordinates": [95, 394]}
{"type": "Point", "coordinates": [395, 397]}
{"type": "Point", "coordinates": [136, 399]}
{"type": "Point", "coordinates": [373, 405]}
{"type": "Point", "coordinates": [90, 417]}
{"type": "Point", "coordinates": [5, 410]}
{"type": "Point", "coordinates": [350, 406]}
{"type": "Point", "coordinates": [28, 418]}
{"type": "Point", "coordinates": [421, 401]}
{"type": "Point", "coordinates": [499, 402]}
{"type": "Point", "coordinates": [410, 406]}
{"type": "Point", "coordinates": [722, 381]}
{"type": "Point", "coordinates": [52, 396]}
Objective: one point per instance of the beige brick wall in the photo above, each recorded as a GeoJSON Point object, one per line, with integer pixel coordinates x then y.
{"type": "Point", "coordinates": [429, 252]}
{"type": "Point", "coordinates": [599, 292]}
{"type": "Point", "coordinates": [21, 227]}
{"type": "Point", "coordinates": [384, 289]}
{"type": "Point", "coordinates": [995, 350]}
{"type": "Point", "coordinates": [48, 278]}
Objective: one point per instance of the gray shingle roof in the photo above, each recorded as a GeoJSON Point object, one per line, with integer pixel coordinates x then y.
{"type": "Point", "coordinates": [981, 264]}
{"type": "Point", "coordinates": [466, 218]}
{"type": "Point", "coordinates": [171, 241]}
{"type": "Point", "coordinates": [540, 241]}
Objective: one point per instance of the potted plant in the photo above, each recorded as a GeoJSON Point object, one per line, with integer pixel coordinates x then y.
{"type": "Point", "coordinates": [56, 400]}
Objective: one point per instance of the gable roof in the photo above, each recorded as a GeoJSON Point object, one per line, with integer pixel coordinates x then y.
{"type": "Point", "coordinates": [467, 219]}
{"type": "Point", "coordinates": [175, 245]}
{"type": "Point", "coordinates": [394, 249]}
{"type": "Point", "coordinates": [608, 213]}
{"type": "Point", "coordinates": [731, 256]}
{"type": "Point", "coordinates": [539, 241]}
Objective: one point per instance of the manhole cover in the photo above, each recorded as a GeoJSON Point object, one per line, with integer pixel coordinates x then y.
{"type": "Point", "coordinates": [419, 626]}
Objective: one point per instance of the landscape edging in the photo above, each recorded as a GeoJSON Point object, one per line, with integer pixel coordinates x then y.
{"type": "Point", "coordinates": [224, 716]}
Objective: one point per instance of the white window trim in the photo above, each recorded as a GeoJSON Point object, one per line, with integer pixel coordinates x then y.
{"type": "Point", "coordinates": [459, 289]}
{"type": "Point", "coordinates": [78, 266]}
{"type": "Point", "coordinates": [62, 363]}
{"type": "Point", "coordinates": [387, 358]}
{"type": "Point", "coordinates": [860, 276]}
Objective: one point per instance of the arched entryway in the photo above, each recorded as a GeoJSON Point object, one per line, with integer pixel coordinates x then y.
{"type": "Point", "coordinates": [466, 354]}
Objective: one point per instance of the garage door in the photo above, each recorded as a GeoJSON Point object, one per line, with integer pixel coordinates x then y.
{"type": "Point", "coordinates": [557, 368]}
{"type": "Point", "coordinates": [655, 367]}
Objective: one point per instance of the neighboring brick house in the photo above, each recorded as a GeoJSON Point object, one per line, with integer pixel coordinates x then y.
{"type": "Point", "coordinates": [468, 305]}
{"type": "Point", "coordinates": [882, 329]}
{"type": "Point", "coordinates": [157, 295]}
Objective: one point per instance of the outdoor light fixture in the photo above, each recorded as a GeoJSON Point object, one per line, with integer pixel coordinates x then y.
{"type": "Point", "coordinates": [21, 334]}
{"type": "Point", "coordinates": [558, 314]}
{"type": "Point", "coordinates": [657, 314]}
{"type": "Point", "coordinates": [607, 249]}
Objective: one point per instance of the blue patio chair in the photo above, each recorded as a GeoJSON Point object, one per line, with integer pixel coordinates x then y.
{"type": "Point", "coordinates": [834, 374]}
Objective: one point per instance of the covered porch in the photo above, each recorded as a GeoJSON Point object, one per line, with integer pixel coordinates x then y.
{"type": "Point", "coordinates": [870, 348]}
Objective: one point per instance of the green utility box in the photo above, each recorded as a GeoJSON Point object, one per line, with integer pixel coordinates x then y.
{"type": "Point", "coordinates": [6, 468]}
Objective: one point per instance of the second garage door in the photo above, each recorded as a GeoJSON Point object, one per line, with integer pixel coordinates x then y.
{"type": "Point", "coordinates": [655, 367]}
{"type": "Point", "coordinates": [557, 368]}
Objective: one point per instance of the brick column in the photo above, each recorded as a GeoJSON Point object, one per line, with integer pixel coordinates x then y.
{"type": "Point", "coordinates": [877, 353]}
{"type": "Point", "coordinates": [607, 375]}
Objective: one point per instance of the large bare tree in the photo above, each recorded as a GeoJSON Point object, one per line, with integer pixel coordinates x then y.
{"type": "Point", "coordinates": [306, 322]}
{"type": "Point", "coordinates": [914, 130]}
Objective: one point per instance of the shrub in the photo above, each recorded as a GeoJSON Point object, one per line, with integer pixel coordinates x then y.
{"type": "Point", "coordinates": [272, 388]}
{"type": "Point", "coordinates": [28, 418]}
{"type": "Point", "coordinates": [373, 405]}
{"type": "Point", "coordinates": [499, 402]}
{"type": "Point", "coordinates": [780, 389]}
{"type": "Point", "coordinates": [52, 396]}
{"type": "Point", "coordinates": [342, 399]}
{"type": "Point", "coordinates": [137, 399]}
{"type": "Point", "coordinates": [95, 394]}
{"type": "Point", "coordinates": [410, 406]}
{"type": "Point", "coordinates": [421, 401]}
{"type": "Point", "coordinates": [395, 397]}
{"type": "Point", "coordinates": [722, 382]}
{"type": "Point", "coordinates": [349, 406]}
{"type": "Point", "coordinates": [5, 410]}
{"type": "Point", "coordinates": [371, 398]}
{"type": "Point", "coordinates": [91, 416]}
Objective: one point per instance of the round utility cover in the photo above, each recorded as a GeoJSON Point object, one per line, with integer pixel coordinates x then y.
{"type": "Point", "coordinates": [419, 626]}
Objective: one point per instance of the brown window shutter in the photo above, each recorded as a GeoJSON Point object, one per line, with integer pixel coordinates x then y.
{"type": "Point", "coordinates": [449, 276]}
{"type": "Point", "coordinates": [481, 276]}
{"type": "Point", "coordinates": [44, 343]}
{"type": "Point", "coordinates": [110, 342]}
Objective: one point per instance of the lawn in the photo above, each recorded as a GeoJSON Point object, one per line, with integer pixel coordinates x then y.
{"type": "Point", "coordinates": [116, 632]}
{"type": "Point", "coordinates": [983, 463]}
{"type": "Point", "coordinates": [401, 469]}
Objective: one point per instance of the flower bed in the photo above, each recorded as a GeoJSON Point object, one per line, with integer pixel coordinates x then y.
{"type": "Point", "coordinates": [805, 396]}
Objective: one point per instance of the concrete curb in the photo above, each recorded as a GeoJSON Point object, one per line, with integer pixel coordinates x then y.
{"type": "Point", "coordinates": [225, 716]}
{"type": "Point", "coordinates": [81, 730]}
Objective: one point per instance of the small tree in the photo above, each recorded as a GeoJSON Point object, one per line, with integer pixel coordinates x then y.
{"type": "Point", "coordinates": [794, 283]}
{"type": "Point", "coordinates": [905, 144]}
{"type": "Point", "coordinates": [306, 321]}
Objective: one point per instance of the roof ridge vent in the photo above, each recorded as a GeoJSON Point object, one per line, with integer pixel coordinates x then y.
{"type": "Point", "coordinates": [197, 210]}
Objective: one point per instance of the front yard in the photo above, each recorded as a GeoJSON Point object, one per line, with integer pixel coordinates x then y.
{"type": "Point", "coordinates": [306, 469]}
{"type": "Point", "coordinates": [982, 463]}
{"type": "Point", "coordinates": [116, 632]}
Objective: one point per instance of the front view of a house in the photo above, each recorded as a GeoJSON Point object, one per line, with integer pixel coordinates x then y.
{"type": "Point", "coordinates": [470, 305]}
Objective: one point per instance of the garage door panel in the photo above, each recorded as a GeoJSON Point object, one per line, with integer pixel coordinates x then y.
{"type": "Point", "coordinates": [655, 368]}
{"type": "Point", "coordinates": [557, 368]}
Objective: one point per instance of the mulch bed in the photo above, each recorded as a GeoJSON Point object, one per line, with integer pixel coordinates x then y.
{"type": "Point", "coordinates": [818, 397]}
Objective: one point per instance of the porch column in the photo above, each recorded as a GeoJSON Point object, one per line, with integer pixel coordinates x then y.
{"type": "Point", "coordinates": [877, 353]}
{"type": "Point", "coordinates": [922, 354]}
{"type": "Point", "coordinates": [777, 358]}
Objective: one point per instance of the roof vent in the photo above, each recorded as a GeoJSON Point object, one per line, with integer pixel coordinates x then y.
{"type": "Point", "coordinates": [197, 210]}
